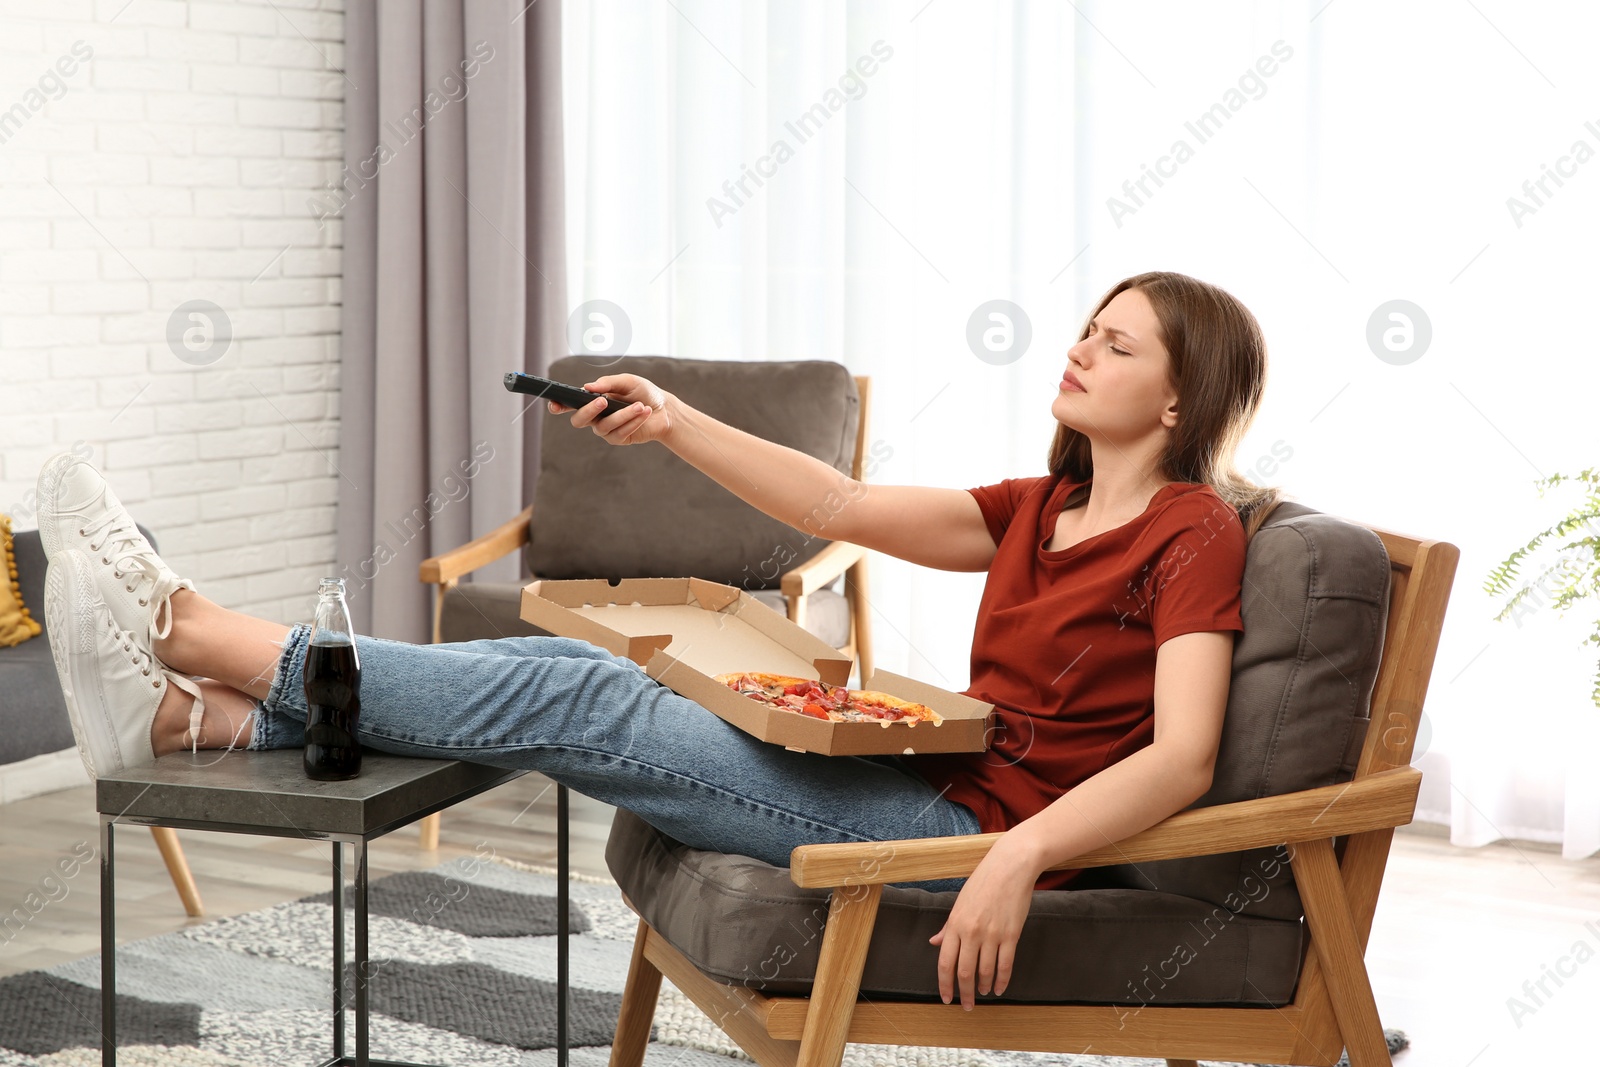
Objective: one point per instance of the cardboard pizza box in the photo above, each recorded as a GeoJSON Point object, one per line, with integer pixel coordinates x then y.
{"type": "Point", "coordinates": [685, 630]}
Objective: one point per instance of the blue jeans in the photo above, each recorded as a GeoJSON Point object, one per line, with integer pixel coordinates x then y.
{"type": "Point", "coordinates": [597, 723]}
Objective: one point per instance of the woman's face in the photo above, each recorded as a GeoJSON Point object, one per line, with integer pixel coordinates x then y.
{"type": "Point", "coordinates": [1122, 367]}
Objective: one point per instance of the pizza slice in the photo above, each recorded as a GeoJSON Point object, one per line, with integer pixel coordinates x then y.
{"type": "Point", "coordinates": [832, 703]}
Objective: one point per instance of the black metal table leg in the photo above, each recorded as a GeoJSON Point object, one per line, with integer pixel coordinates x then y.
{"type": "Point", "coordinates": [338, 951]}
{"type": "Point", "coordinates": [561, 925]}
{"type": "Point", "coordinates": [359, 971]}
{"type": "Point", "coordinates": [108, 949]}
{"type": "Point", "coordinates": [361, 954]}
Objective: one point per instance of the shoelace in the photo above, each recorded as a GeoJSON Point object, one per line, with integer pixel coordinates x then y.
{"type": "Point", "coordinates": [149, 667]}
{"type": "Point", "coordinates": [112, 532]}
{"type": "Point", "coordinates": [162, 586]}
{"type": "Point", "coordinates": [197, 712]}
{"type": "Point", "coordinates": [123, 548]}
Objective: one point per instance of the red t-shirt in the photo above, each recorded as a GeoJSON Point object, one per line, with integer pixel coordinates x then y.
{"type": "Point", "coordinates": [1065, 642]}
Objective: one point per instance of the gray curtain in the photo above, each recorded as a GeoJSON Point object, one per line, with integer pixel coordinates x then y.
{"type": "Point", "coordinates": [454, 273]}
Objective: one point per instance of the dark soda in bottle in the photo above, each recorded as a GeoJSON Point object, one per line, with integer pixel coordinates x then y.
{"type": "Point", "coordinates": [333, 689]}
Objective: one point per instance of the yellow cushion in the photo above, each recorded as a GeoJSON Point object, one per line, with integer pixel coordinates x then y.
{"type": "Point", "coordinates": [16, 625]}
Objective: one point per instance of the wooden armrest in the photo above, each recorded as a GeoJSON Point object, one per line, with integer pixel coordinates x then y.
{"type": "Point", "coordinates": [822, 568]}
{"type": "Point", "coordinates": [505, 538]}
{"type": "Point", "coordinates": [1385, 799]}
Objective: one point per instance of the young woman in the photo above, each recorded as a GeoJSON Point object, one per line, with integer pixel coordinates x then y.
{"type": "Point", "coordinates": [1104, 636]}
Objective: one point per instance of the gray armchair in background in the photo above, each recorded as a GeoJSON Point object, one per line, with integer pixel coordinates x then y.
{"type": "Point", "coordinates": [600, 511]}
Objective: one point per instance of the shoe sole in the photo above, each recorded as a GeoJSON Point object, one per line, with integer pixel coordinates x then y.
{"type": "Point", "coordinates": [49, 489]}
{"type": "Point", "coordinates": [69, 591]}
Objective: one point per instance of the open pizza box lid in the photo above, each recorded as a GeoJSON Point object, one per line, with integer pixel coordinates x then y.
{"type": "Point", "coordinates": [685, 630]}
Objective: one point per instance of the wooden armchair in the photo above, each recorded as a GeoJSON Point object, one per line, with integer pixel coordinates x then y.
{"type": "Point", "coordinates": [1337, 837]}
{"type": "Point", "coordinates": [733, 392]}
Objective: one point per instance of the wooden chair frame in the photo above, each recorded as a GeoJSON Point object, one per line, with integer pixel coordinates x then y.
{"type": "Point", "coordinates": [443, 572]}
{"type": "Point", "coordinates": [1338, 839]}
{"type": "Point", "coordinates": [178, 870]}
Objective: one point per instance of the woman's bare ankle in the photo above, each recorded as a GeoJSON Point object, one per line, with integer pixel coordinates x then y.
{"type": "Point", "coordinates": [210, 641]}
{"type": "Point", "coordinates": [176, 650]}
{"type": "Point", "coordinates": [228, 719]}
{"type": "Point", "coordinates": [169, 732]}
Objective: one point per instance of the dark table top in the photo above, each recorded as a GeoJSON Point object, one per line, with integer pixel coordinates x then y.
{"type": "Point", "coordinates": [267, 792]}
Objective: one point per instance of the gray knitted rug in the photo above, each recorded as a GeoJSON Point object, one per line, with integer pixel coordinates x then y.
{"type": "Point", "coordinates": [463, 972]}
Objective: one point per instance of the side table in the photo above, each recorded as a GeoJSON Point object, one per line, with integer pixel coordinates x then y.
{"type": "Point", "coordinates": [267, 793]}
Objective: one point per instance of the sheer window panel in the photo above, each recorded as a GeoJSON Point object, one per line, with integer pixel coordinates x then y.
{"type": "Point", "coordinates": [980, 161]}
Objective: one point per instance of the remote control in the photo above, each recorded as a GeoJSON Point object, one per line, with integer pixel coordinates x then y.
{"type": "Point", "coordinates": [560, 392]}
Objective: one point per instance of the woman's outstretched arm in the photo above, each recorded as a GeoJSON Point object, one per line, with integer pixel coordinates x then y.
{"type": "Point", "coordinates": [934, 527]}
{"type": "Point", "coordinates": [978, 941]}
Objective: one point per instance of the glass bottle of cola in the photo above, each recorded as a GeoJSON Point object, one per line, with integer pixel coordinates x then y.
{"type": "Point", "coordinates": [333, 689]}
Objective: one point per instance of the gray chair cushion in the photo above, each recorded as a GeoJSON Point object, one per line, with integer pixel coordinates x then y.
{"type": "Point", "coordinates": [33, 715]}
{"type": "Point", "coordinates": [476, 610]}
{"type": "Point", "coordinates": [600, 511]}
{"type": "Point", "coordinates": [1221, 930]}
{"type": "Point", "coordinates": [1315, 604]}
{"type": "Point", "coordinates": [744, 922]}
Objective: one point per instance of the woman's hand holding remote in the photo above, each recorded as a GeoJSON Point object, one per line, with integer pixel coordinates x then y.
{"type": "Point", "coordinates": [646, 418]}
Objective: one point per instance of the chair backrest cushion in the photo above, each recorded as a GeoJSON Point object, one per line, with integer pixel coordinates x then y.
{"type": "Point", "coordinates": [604, 511]}
{"type": "Point", "coordinates": [1315, 603]}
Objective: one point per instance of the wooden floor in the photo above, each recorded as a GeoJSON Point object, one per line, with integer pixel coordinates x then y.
{"type": "Point", "coordinates": [1457, 934]}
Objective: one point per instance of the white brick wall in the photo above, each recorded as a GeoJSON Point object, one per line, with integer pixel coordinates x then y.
{"type": "Point", "coordinates": [175, 164]}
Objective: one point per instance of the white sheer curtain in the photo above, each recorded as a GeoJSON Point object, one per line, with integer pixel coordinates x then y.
{"type": "Point", "coordinates": [1334, 158]}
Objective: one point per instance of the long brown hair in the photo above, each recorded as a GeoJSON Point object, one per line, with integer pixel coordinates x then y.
{"type": "Point", "coordinates": [1217, 362]}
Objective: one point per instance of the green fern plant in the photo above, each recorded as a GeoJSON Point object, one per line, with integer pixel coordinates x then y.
{"type": "Point", "coordinates": [1576, 569]}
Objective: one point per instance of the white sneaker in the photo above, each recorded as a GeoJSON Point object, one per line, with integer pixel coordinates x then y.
{"type": "Point", "coordinates": [111, 682]}
{"type": "Point", "coordinates": [78, 510]}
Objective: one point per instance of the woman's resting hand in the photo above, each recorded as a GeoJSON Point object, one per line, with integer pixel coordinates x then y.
{"type": "Point", "coordinates": [645, 419]}
{"type": "Point", "coordinates": [978, 941]}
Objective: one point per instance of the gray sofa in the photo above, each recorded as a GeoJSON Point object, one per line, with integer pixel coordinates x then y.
{"type": "Point", "coordinates": [1212, 930]}
{"type": "Point", "coordinates": [33, 716]}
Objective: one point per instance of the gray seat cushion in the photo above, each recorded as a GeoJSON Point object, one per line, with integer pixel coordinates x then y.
{"type": "Point", "coordinates": [600, 511]}
{"type": "Point", "coordinates": [33, 715]}
{"type": "Point", "coordinates": [1211, 930]}
{"type": "Point", "coordinates": [744, 922]}
{"type": "Point", "coordinates": [477, 610]}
